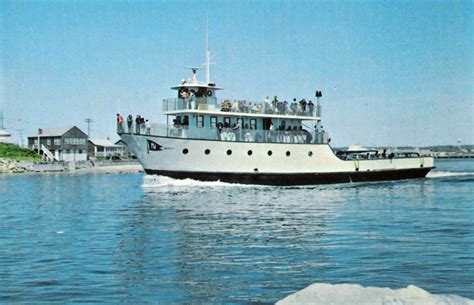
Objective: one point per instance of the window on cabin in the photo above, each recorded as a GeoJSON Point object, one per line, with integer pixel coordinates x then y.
{"type": "Point", "coordinates": [253, 124]}
{"type": "Point", "coordinates": [185, 121]}
{"type": "Point", "coordinates": [227, 122]}
{"type": "Point", "coordinates": [201, 92]}
{"type": "Point", "coordinates": [213, 121]}
{"type": "Point", "coordinates": [200, 121]}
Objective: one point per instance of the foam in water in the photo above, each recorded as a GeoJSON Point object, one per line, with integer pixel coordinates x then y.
{"type": "Point", "coordinates": [343, 294]}
{"type": "Point", "coordinates": [162, 181]}
{"type": "Point", "coordinates": [442, 174]}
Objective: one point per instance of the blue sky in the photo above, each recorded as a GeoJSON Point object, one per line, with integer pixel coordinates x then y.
{"type": "Point", "coordinates": [391, 72]}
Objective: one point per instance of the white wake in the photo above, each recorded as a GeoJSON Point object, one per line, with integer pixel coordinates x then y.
{"type": "Point", "coordinates": [150, 181]}
{"type": "Point", "coordinates": [441, 174]}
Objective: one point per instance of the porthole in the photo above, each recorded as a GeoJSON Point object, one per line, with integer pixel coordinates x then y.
{"type": "Point", "coordinates": [249, 153]}
{"type": "Point", "coordinates": [207, 151]}
{"type": "Point", "coordinates": [310, 153]}
{"type": "Point", "coordinates": [269, 152]}
{"type": "Point", "coordinates": [229, 152]}
{"type": "Point", "coordinates": [185, 151]}
{"type": "Point", "coordinates": [288, 153]}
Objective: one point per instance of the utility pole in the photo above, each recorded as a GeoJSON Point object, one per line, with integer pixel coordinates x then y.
{"type": "Point", "coordinates": [88, 121]}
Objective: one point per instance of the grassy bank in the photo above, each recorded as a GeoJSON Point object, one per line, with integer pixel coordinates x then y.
{"type": "Point", "coordinates": [15, 152]}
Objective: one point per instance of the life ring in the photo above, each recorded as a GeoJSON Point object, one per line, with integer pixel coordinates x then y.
{"type": "Point", "coordinates": [209, 93]}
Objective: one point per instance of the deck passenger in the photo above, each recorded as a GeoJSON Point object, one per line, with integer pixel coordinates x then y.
{"type": "Point", "coordinates": [142, 125]}
{"type": "Point", "coordinates": [311, 108]}
{"type": "Point", "coordinates": [119, 123]}
{"type": "Point", "coordinates": [137, 124]}
{"type": "Point", "coordinates": [269, 133]}
{"type": "Point", "coordinates": [129, 123]}
{"type": "Point", "coordinates": [248, 137]}
{"type": "Point", "coordinates": [303, 105]}
{"type": "Point", "coordinates": [266, 104]}
{"type": "Point", "coordinates": [274, 103]}
{"type": "Point", "coordinates": [147, 127]}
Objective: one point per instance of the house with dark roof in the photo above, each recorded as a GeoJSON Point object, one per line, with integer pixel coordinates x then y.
{"type": "Point", "coordinates": [60, 144]}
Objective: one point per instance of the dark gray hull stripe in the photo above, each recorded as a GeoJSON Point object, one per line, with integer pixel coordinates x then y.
{"type": "Point", "coordinates": [297, 178]}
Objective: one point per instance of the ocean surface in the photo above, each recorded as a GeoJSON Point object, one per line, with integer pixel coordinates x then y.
{"type": "Point", "coordinates": [132, 238]}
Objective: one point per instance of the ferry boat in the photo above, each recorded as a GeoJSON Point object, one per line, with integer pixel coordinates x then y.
{"type": "Point", "coordinates": [271, 142]}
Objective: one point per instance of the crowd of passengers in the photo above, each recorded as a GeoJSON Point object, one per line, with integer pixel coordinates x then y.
{"type": "Point", "coordinates": [347, 155]}
{"type": "Point", "coordinates": [142, 126]}
{"type": "Point", "coordinates": [191, 100]}
{"type": "Point", "coordinates": [273, 106]}
{"type": "Point", "coordinates": [236, 132]}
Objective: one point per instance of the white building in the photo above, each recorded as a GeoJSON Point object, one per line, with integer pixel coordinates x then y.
{"type": "Point", "coordinates": [104, 148]}
{"type": "Point", "coordinates": [5, 137]}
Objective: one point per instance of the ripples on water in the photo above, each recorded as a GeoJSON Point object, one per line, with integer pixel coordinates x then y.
{"type": "Point", "coordinates": [140, 239]}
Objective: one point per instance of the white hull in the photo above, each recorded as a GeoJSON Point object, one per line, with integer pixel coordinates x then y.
{"type": "Point", "coordinates": [308, 163]}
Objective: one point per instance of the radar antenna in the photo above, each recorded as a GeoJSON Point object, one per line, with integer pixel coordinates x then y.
{"type": "Point", "coordinates": [194, 69]}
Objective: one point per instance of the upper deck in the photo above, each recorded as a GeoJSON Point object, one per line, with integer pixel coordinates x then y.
{"type": "Point", "coordinates": [301, 110]}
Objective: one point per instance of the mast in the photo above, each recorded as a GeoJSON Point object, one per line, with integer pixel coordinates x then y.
{"type": "Point", "coordinates": [208, 79]}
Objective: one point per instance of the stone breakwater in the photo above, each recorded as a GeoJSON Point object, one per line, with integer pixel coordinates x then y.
{"type": "Point", "coordinates": [9, 166]}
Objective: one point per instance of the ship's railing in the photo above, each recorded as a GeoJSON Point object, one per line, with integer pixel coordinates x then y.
{"type": "Point", "coordinates": [228, 134]}
{"type": "Point", "coordinates": [242, 106]}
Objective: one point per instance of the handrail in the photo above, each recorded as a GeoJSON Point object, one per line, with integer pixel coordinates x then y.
{"type": "Point", "coordinates": [226, 134]}
{"type": "Point", "coordinates": [242, 106]}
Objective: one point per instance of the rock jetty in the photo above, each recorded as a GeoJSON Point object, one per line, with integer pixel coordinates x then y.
{"type": "Point", "coordinates": [11, 166]}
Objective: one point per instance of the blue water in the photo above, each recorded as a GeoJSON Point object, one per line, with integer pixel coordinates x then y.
{"type": "Point", "coordinates": [129, 238]}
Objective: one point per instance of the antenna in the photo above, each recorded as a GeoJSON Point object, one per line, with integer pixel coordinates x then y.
{"type": "Point", "coordinates": [88, 121]}
{"type": "Point", "coordinates": [207, 52]}
{"type": "Point", "coordinates": [208, 55]}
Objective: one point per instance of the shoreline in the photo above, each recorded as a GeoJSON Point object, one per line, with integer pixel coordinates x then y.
{"type": "Point", "coordinates": [12, 167]}
{"type": "Point", "coordinates": [116, 169]}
